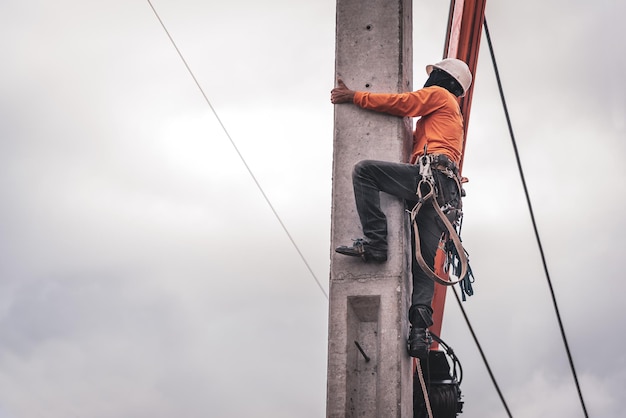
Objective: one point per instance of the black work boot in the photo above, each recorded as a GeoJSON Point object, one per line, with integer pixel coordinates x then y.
{"type": "Point", "coordinates": [419, 342]}
{"type": "Point", "coordinates": [362, 248]}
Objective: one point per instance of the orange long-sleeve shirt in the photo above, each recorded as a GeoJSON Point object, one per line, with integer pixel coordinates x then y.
{"type": "Point", "coordinates": [440, 125]}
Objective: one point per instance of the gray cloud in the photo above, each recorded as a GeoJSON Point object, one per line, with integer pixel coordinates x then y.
{"type": "Point", "coordinates": [142, 274]}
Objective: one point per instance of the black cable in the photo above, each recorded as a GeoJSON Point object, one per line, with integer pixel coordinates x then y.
{"type": "Point", "coordinates": [532, 216]}
{"type": "Point", "coordinates": [267, 200]}
{"type": "Point", "coordinates": [455, 360]}
{"type": "Point", "coordinates": [482, 353]}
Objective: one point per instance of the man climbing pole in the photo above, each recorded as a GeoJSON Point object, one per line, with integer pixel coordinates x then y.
{"type": "Point", "coordinates": [437, 145]}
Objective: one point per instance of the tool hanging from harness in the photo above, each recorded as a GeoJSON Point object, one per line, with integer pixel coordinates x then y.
{"type": "Point", "coordinates": [434, 168]}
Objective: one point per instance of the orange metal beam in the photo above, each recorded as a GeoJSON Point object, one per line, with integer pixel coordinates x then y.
{"type": "Point", "coordinates": [463, 42]}
{"type": "Point", "coordinates": [465, 24]}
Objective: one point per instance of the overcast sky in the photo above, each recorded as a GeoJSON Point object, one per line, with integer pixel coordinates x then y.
{"type": "Point", "coordinates": [142, 273]}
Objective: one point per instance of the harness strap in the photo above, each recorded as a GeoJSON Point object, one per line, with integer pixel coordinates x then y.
{"type": "Point", "coordinates": [450, 230]}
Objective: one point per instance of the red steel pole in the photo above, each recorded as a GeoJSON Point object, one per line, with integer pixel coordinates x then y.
{"type": "Point", "coordinates": [465, 24]}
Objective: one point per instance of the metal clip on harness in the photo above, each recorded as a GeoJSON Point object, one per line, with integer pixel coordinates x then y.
{"type": "Point", "coordinates": [428, 183]}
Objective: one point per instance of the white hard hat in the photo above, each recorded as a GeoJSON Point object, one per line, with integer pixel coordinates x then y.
{"type": "Point", "coordinates": [457, 69]}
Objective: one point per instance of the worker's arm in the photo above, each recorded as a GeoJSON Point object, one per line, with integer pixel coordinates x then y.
{"type": "Point", "coordinates": [412, 104]}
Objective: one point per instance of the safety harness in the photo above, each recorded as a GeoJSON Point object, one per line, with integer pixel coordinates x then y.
{"type": "Point", "coordinates": [449, 213]}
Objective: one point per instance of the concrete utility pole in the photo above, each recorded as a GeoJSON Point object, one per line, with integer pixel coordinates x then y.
{"type": "Point", "coordinates": [369, 370]}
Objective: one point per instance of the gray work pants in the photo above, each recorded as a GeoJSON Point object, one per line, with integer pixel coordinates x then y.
{"type": "Point", "coordinates": [371, 177]}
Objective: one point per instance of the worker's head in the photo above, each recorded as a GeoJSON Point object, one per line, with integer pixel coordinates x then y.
{"type": "Point", "coordinates": [452, 74]}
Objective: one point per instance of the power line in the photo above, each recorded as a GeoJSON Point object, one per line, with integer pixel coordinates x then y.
{"type": "Point", "coordinates": [532, 216]}
{"type": "Point", "coordinates": [267, 200]}
{"type": "Point", "coordinates": [482, 353]}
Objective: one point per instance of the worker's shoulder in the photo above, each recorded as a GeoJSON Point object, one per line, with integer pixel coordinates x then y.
{"type": "Point", "coordinates": [438, 95]}
{"type": "Point", "coordinates": [437, 91]}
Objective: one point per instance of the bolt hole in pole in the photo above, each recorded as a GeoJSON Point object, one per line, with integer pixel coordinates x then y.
{"type": "Point", "coordinates": [367, 359]}
{"type": "Point", "coordinates": [367, 85]}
